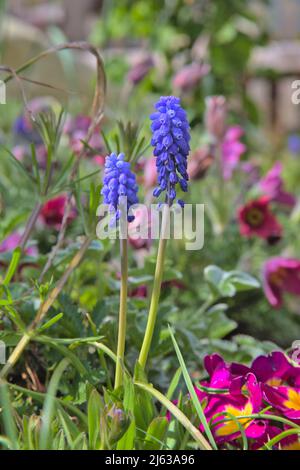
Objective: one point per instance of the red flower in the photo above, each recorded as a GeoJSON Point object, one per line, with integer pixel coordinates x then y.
{"type": "Point", "coordinates": [255, 218]}
{"type": "Point", "coordinates": [281, 275]}
{"type": "Point", "coordinates": [53, 210]}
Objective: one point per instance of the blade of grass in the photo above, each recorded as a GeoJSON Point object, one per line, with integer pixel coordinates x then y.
{"type": "Point", "coordinates": [12, 266]}
{"type": "Point", "coordinates": [191, 389]}
{"type": "Point", "coordinates": [289, 432]}
{"type": "Point", "coordinates": [49, 405]}
{"type": "Point", "coordinates": [7, 414]}
{"type": "Point", "coordinates": [177, 413]}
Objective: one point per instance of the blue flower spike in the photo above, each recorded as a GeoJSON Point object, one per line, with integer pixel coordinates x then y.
{"type": "Point", "coordinates": [170, 139]}
{"type": "Point", "coordinates": [119, 182]}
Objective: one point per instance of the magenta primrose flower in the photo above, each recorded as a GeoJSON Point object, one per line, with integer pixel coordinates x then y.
{"type": "Point", "coordinates": [272, 186]}
{"type": "Point", "coordinates": [232, 150]}
{"type": "Point", "coordinates": [236, 391]}
{"type": "Point", "coordinates": [284, 399]}
{"type": "Point", "coordinates": [280, 275]}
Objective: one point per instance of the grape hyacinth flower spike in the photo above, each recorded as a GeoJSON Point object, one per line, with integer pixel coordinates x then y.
{"type": "Point", "coordinates": [118, 182]}
{"type": "Point", "coordinates": [170, 139]}
{"type": "Point", "coordinates": [171, 147]}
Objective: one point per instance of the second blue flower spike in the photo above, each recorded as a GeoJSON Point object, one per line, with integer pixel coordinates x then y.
{"type": "Point", "coordinates": [170, 139]}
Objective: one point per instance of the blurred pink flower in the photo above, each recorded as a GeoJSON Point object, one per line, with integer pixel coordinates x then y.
{"type": "Point", "coordinates": [256, 219]}
{"type": "Point", "coordinates": [23, 154]}
{"type": "Point", "coordinates": [199, 162]}
{"type": "Point", "coordinates": [281, 275]}
{"type": "Point", "coordinates": [139, 230]}
{"type": "Point", "coordinates": [77, 129]}
{"type": "Point", "coordinates": [216, 116]}
{"type": "Point", "coordinates": [13, 241]}
{"type": "Point", "coordinates": [53, 210]}
{"type": "Point", "coordinates": [99, 160]}
{"type": "Point", "coordinates": [19, 152]}
{"type": "Point", "coordinates": [252, 172]}
{"type": "Point", "coordinates": [140, 292]}
{"type": "Point", "coordinates": [140, 68]}
{"type": "Point", "coordinates": [190, 75]}
{"type": "Point", "coordinates": [232, 149]}
{"type": "Point", "coordinates": [272, 186]}
{"type": "Point", "coordinates": [150, 173]}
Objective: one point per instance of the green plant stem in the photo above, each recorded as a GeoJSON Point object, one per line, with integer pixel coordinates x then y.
{"type": "Point", "coordinates": [155, 293]}
{"type": "Point", "coordinates": [122, 314]}
{"type": "Point", "coordinates": [269, 445]}
{"type": "Point", "coordinates": [177, 413]}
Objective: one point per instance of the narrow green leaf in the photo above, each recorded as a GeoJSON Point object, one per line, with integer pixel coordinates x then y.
{"type": "Point", "coordinates": [7, 415]}
{"type": "Point", "coordinates": [12, 266]}
{"type": "Point", "coordinates": [177, 413]}
{"type": "Point", "coordinates": [192, 392]}
{"type": "Point", "coordinates": [155, 433]}
{"type": "Point", "coordinates": [49, 405]}
{"type": "Point", "coordinates": [95, 408]}
{"type": "Point", "coordinates": [51, 322]}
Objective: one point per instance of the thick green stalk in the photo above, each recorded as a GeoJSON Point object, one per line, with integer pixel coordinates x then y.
{"type": "Point", "coordinates": [122, 314]}
{"type": "Point", "coordinates": [156, 291]}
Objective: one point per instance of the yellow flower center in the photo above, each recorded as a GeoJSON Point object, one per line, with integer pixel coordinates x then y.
{"type": "Point", "coordinates": [274, 382]}
{"type": "Point", "coordinates": [293, 446]}
{"type": "Point", "coordinates": [293, 401]}
{"type": "Point", "coordinates": [231, 427]}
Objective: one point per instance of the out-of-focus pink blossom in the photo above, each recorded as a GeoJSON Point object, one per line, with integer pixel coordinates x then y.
{"type": "Point", "coordinates": [281, 275]}
{"type": "Point", "coordinates": [13, 241]}
{"type": "Point", "coordinates": [140, 68]}
{"type": "Point", "coordinates": [139, 229]}
{"type": "Point", "coordinates": [190, 75]}
{"type": "Point", "coordinates": [53, 210]}
{"type": "Point", "coordinates": [77, 129]}
{"type": "Point", "coordinates": [272, 186]}
{"type": "Point", "coordinates": [256, 219]}
{"type": "Point", "coordinates": [252, 171]}
{"type": "Point", "coordinates": [99, 160]}
{"type": "Point", "coordinates": [140, 292]}
{"type": "Point", "coordinates": [232, 150]}
{"type": "Point", "coordinates": [216, 116]}
{"type": "Point", "coordinates": [23, 154]}
{"type": "Point", "coordinates": [199, 162]}
{"type": "Point", "coordinates": [150, 173]}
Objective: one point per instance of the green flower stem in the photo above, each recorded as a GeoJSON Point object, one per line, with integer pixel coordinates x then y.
{"type": "Point", "coordinates": [122, 314]}
{"type": "Point", "coordinates": [156, 291]}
